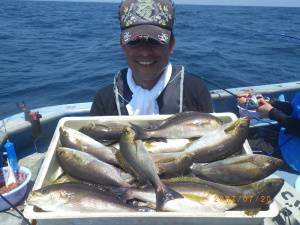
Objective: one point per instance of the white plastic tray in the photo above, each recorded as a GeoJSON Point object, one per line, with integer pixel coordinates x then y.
{"type": "Point", "coordinates": [50, 170]}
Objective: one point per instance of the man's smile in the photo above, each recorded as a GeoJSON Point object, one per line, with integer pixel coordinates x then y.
{"type": "Point", "coordinates": [145, 63]}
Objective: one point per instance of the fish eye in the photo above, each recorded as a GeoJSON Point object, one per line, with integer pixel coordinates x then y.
{"type": "Point", "coordinates": [44, 191]}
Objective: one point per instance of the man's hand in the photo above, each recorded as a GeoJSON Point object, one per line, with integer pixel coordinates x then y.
{"type": "Point", "coordinates": [264, 108]}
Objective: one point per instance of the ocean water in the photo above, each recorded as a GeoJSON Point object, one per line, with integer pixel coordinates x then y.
{"type": "Point", "coordinates": [63, 52]}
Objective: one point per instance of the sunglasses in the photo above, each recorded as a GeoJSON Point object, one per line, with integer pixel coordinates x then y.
{"type": "Point", "coordinates": [145, 41]}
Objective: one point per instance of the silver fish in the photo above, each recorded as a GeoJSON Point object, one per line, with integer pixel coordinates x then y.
{"type": "Point", "coordinates": [215, 145]}
{"type": "Point", "coordinates": [239, 170]}
{"type": "Point", "coordinates": [137, 157]}
{"type": "Point", "coordinates": [221, 142]}
{"type": "Point", "coordinates": [197, 198]}
{"type": "Point", "coordinates": [110, 132]}
{"type": "Point", "coordinates": [72, 138]}
{"type": "Point", "coordinates": [258, 195]}
{"type": "Point", "coordinates": [86, 167]}
{"type": "Point", "coordinates": [106, 133]}
{"type": "Point", "coordinates": [167, 146]}
{"type": "Point", "coordinates": [75, 197]}
{"type": "Point", "coordinates": [181, 125]}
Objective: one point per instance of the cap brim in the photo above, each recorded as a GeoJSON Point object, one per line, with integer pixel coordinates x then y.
{"type": "Point", "coordinates": [145, 30]}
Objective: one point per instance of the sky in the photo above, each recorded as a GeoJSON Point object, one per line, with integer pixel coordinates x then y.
{"type": "Point", "coordinates": [281, 3]}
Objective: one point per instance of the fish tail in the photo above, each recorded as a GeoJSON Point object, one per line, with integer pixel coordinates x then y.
{"type": "Point", "coordinates": [84, 130]}
{"type": "Point", "coordinates": [61, 130]}
{"type": "Point", "coordinates": [165, 194]}
{"type": "Point", "coordinates": [140, 132]}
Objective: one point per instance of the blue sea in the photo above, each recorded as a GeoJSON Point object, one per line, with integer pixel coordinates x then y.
{"type": "Point", "coordinates": [63, 52]}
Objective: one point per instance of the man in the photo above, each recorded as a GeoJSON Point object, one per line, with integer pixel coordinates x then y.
{"type": "Point", "coordinates": [151, 84]}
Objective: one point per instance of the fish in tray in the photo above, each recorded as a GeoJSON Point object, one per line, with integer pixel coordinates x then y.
{"type": "Point", "coordinates": [220, 143]}
{"type": "Point", "coordinates": [141, 164]}
{"type": "Point", "coordinates": [72, 138]}
{"type": "Point", "coordinates": [255, 196]}
{"type": "Point", "coordinates": [166, 146]}
{"type": "Point", "coordinates": [258, 195]}
{"type": "Point", "coordinates": [181, 125]}
{"type": "Point", "coordinates": [76, 197]}
{"type": "Point", "coordinates": [106, 133]}
{"type": "Point", "coordinates": [197, 198]}
{"type": "Point", "coordinates": [215, 145]}
{"type": "Point", "coordinates": [239, 170]}
{"type": "Point", "coordinates": [109, 132]}
{"type": "Point", "coordinates": [84, 166]}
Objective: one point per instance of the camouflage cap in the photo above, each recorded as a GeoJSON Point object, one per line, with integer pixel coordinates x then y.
{"type": "Point", "coordinates": [146, 18]}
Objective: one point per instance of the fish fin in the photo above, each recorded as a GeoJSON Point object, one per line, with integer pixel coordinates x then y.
{"type": "Point", "coordinates": [61, 131]}
{"type": "Point", "coordinates": [140, 132]}
{"type": "Point", "coordinates": [90, 127]}
{"type": "Point", "coordinates": [149, 144]}
{"type": "Point", "coordinates": [109, 142]}
{"type": "Point", "coordinates": [160, 139]}
{"type": "Point", "coordinates": [84, 129]}
{"type": "Point", "coordinates": [192, 139]}
{"type": "Point", "coordinates": [87, 128]}
{"type": "Point", "coordinates": [123, 193]}
{"type": "Point", "coordinates": [165, 194]}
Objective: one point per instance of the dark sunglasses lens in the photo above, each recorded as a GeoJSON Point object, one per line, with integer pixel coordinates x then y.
{"type": "Point", "coordinates": [134, 43]}
{"type": "Point", "coordinates": [154, 42]}
{"type": "Point", "coordinates": [150, 41]}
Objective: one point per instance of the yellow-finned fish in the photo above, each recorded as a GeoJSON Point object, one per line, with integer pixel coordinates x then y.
{"type": "Point", "coordinates": [86, 167]}
{"type": "Point", "coordinates": [71, 138]}
{"type": "Point", "coordinates": [76, 197]}
{"type": "Point", "coordinates": [139, 160]}
{"type": "Point", "coordinates": [181, 125]}
{"type": "Point", "coordinates": [238, 170]}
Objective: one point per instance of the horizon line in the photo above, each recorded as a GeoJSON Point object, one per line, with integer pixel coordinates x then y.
{"type": "Point", "coordinates": [178, 3]}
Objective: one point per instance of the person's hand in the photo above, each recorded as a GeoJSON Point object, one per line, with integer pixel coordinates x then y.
{"type": "Point", "coordinates": [264, 108]}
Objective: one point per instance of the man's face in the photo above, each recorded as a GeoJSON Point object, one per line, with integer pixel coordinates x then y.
{"type": "Point", "coordinates": [147, 61]}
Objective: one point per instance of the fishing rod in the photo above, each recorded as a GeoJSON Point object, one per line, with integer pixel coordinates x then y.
{"type": "Point", "coordinates": [283, 35]}
{"type": "Point", "coordinates": [250, 101]}
{"type": "Point", "coordinates": [270, 34]}
{"type": "Point", "coordinates": [218, 86]}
